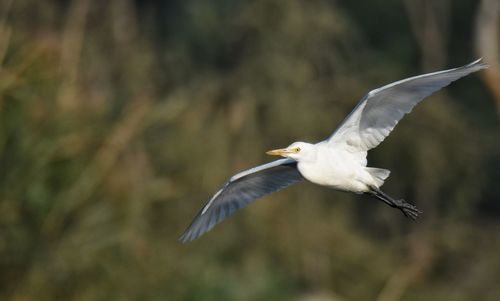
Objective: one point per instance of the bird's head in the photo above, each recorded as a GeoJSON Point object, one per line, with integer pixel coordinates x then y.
{"type": "Point", "coordinates": [299, 151]}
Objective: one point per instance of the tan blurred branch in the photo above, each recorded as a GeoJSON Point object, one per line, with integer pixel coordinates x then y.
{"type": "Point", "coordinates": [487, 23]}
{"type": "Point", "coordinates": [5, 31]}
{"type": "Point", "coordinates": [71, 48]}
{"type": "Point", "coordinates": [429, 22]}
{"type": "Point", "coordinates": [124, 23]}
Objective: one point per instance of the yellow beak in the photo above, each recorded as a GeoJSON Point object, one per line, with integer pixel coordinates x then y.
{"type": "Point", "coordinates": [279, 152]}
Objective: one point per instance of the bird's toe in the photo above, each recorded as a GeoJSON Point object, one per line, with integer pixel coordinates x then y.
{"type": "Point", "coordinates": [409, 210]}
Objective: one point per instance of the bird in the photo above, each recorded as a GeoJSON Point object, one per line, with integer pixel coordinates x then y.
{"type": "Point", "coordinates": [340, 161]}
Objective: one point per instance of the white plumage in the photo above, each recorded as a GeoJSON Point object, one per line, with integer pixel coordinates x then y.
{"type": "Point", "coordinates": [338, 162]}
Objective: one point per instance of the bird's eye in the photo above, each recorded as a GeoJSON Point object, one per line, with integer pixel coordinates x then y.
{"type": "Point", "coordinates": [297, 149]}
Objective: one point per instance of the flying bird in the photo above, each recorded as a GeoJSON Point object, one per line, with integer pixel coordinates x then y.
{"type": "Point", "coordinates": [338, 162]}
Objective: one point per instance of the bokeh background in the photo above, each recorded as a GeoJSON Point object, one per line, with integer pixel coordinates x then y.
{"type": "Point", "coordinates": [119, 119]}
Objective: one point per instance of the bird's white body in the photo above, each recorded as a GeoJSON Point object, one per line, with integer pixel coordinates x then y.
{"type": "Point", "coordinates": [337, 167]}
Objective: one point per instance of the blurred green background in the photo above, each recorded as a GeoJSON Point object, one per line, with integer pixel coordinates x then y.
{"type": "Point", "coordinates": [119, 119]}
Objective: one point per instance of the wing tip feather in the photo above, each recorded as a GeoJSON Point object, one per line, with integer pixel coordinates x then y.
{"type": "Point", "coordinates": [184, 238]}
{"type": "Point", "coordinates": [479, 64]}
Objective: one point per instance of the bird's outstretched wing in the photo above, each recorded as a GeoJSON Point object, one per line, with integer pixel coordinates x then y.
{"type": "Point", "coordinates": [239, 191]}
{"type": "Point", "coordinates": [380, 110]}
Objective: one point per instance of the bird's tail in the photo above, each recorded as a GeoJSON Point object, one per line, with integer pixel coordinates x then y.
{"type": "Point", "coordinates": [378, 174]}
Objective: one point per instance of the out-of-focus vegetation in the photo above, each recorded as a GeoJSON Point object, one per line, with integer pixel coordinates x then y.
{"type": "Point", "coordinates": [118, 119]}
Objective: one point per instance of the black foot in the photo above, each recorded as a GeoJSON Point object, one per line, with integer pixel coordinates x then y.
{"type": "Point", "coordinates": [408, 209]}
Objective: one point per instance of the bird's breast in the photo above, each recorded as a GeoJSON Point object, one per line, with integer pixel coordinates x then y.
{"type": "Point", "coordinates": [336, 170]}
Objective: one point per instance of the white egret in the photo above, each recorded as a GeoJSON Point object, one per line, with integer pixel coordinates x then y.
{"type": "Point", "coordinates": [338, 162]}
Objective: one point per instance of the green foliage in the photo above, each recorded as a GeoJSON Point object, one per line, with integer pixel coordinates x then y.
{"type": "Point", "coordinates": [119, 119]}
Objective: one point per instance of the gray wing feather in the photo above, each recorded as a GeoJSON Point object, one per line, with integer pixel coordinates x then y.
{"type": "Point", "coordinates": [241, 190]}
{"type": "Point", "coordinates": [380, 110]}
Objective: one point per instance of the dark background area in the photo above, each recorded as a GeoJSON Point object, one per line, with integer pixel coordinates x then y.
{"type": "Point", "coordinates": [119, 119]}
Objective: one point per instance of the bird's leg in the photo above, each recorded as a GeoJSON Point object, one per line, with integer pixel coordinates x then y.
{"type": "Point", "coordinates": [408, 209]}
